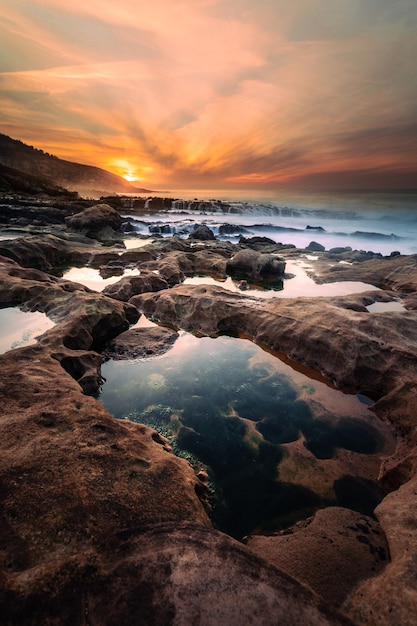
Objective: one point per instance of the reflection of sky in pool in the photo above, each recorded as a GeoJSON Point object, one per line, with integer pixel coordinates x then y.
{"type": "Point", "coordinates": [276, 444]}
{"type": "Point", "coordinates": [20, 328]}
{"type": "Point", "coordinates": [134, 243]}
{"type": "Point", "coordinates": [386, 307]}
{"type": "Point", "coordinates": [90, 277]}
{"type": "Point", "coordinates": [301, 285]}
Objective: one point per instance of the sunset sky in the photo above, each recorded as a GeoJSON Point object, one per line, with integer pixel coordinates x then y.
{"type": "Point", "coordinates": [217, 93]}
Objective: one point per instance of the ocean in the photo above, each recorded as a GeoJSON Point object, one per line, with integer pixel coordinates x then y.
{"type": "Point", "coordinates": [377, 221]}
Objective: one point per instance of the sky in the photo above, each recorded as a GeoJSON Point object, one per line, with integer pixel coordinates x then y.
{"type": "Point", "coordinates": [217, 93]}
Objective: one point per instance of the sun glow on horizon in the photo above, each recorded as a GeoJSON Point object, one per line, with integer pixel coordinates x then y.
{"type": "Point", "coordinates": [269, 93]}
{"type": "Point", "coordinates": [126, 169]}
{"type": "Point", "coordinates": [130, 178]}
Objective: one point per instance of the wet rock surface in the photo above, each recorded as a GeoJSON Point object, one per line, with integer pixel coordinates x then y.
{"type": "Point", "coordinates": [344, 548]}
{"type": "Point", "coordinates": [100, 221]}
{"type": "Point", "coordinates": [95, 509]}
{"type": "Point", "coordinates": [130, 286]}
{"type": "Point", "coordinates": [256, 265]}
{"type": "Point", "coordinates": [141, 342]}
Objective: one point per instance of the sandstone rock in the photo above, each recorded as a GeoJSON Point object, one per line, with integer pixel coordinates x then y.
{"type": "Point", "coordinates": [111, 269]}
{"type": "Point", "coordinates": [211, 262]}
{"type": "Point", "coordinates": [371, 353]}
{"type": "Point", "coordinates": [141, 342]}
{"type": "Point", "coordinates": [130, 286]}
{"type": "Point", "coordinates": [339, 250]}
{"type": "Point", "coordinates": [157, 204]}
{"type": "Point", "coordinates": [253, 242]}
{"type": "Point", "coordinates": [71, 532]}
{"type": "Point", "coordinates": [44, 252]}
{"type": "Point", "coordinates": [82, 495]}
{"type": "Point", "coordinates": [359, 351]}
{"type": "Point", "coordinates": [397, 273]}
{"type": "Point", "coordinates": [74, 482]}
{"type": "Point", "coordinates": [391, 597]}
{"type": "Point", "coordinates": [232, 229]}
{"type": "Point", "coordinates": [331, 552]}
{"type": "Point", "coordinates": [191, 584]}
{"type": "Point", "coordinates": [85, 319]}
{"type": "Point", "coordinates": [100, 258]}
{"type": "Point", "coordinates": [95, 222]}
{"type": "Point", "coordinates": [175, 265]}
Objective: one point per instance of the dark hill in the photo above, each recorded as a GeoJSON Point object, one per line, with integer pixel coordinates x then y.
{"type": "Point", "coordinates": [17, 182]}
{"type": "Point", "coordinates": [86, 179]}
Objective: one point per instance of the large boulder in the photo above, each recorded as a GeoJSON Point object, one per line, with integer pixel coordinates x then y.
{"type": "Point", "coordinates": [100, 221]}
{"type": "Point", "coordinates": [203, 233]}
{"type": "Point", "coordinates": [249, 263]}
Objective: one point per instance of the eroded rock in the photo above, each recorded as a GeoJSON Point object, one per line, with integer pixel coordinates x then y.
{"type": "Point", "coordinates": [72, 530]}
{"type": "Point", "coordinates": [331, 552]}
{"type": "Point", "coordinates": [249, 263]}
{"type": "Point", "coordinates": [141, 342]}
{"type": "Point", "coordinates": [85, 319]}
{"type": "Point", "coordinates": [100, 221]}
{"type": "Point", "coordinates": [130, 286]}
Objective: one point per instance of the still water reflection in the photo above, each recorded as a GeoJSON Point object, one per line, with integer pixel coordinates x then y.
{"type": "Point", "coordinates": [276, 444]}
{"type": "Point", "coordinates": [21, 328]}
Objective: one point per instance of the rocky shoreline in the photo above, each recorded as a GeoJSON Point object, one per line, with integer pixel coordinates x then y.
{"type": "Point", "coordinates": [101, 523]}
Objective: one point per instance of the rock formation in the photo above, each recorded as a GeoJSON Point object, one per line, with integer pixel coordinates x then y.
{"type": "Point", "coordinates": [248, 263]}
{"type": "Point", "coordinates": [102, 524]}
{"type": "Point", "coordinates": [100, 222]}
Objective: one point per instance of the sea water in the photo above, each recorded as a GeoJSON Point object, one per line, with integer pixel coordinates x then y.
{"type": "Point", "coordinates": [277, 444]}
{"type": "Point", "coordinates": [381, 222]}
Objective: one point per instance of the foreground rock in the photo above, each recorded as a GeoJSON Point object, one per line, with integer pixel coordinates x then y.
{"type": "Point", "coordinates": [73, 480]}
{"type": "Point", "coordinates": [392, 596]}
{"type": "Point", "coordinates": [344, 548]}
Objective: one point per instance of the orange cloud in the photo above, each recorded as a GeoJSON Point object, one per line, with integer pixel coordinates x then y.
{"type": "Point", "coordinates": [208, 92]}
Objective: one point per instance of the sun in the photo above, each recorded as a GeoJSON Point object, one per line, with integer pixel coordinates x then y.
{"type": "Point", "coordinates": [125, 169]}
{"type": "Point", "coordinates": [129, 177]}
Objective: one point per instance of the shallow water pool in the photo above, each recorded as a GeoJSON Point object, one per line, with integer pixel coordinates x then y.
{"type": "Point", "coordinates": [21, 328]}
{"type": "Point", "coordinates": [276, 444]}
{"type": "Point", "coordinates": [90, 277]}
{"type": "Point", "coordinates": [298, 286]}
